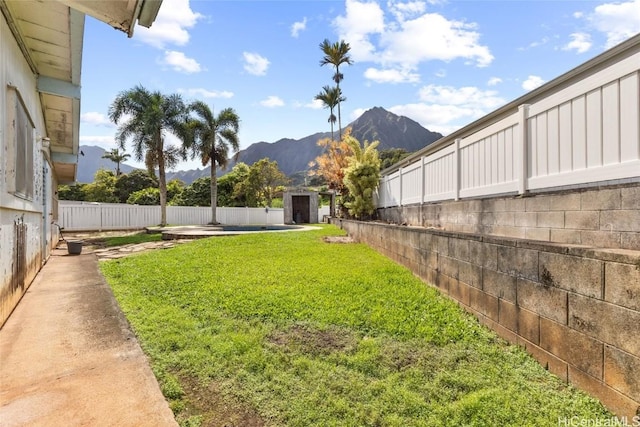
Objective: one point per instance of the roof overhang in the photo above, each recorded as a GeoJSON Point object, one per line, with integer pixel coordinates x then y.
{"type": "Point", "coordinates": [50, 35]}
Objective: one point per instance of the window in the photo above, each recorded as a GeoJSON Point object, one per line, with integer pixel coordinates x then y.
{"type": "Point", "coordinates": [20, 147]}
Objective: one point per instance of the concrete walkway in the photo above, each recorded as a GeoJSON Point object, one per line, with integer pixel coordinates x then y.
{"type": "Point", "coordinates": [68, 357]}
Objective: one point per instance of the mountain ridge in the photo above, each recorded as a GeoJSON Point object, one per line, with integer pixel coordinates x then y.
{"type": "Point", "coordinates": [293, 155]}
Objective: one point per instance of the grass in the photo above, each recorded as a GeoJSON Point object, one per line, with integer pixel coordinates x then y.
{"type": "Point", "coordinates": [284, 329]}
{"type": "Point", "coordinates": [110, 241]}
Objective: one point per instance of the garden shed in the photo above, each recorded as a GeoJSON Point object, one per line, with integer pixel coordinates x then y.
{"type": "Point", "coordinates": [300, 207]}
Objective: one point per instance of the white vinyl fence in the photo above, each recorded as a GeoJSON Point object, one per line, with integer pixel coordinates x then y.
{"type": "Point", "coordinates": [581, 128]}
{"type": "Point", "coordinates": [87, 216]}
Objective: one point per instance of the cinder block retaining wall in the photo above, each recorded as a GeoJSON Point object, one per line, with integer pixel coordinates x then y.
{"type": "Point", "coordinates": [601, 217]}
{"type": "Point", "coordinates": [575, 309]}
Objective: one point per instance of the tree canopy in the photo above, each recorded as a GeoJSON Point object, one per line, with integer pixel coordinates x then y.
{"type": "Point", "coordinates": [212, 138]}
{"type": "Point", "coordinates": [145, 117]}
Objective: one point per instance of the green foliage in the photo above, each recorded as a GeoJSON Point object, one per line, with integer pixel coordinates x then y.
{"type": "Point", "coordinates": [391, 156]}
{"type": "Point", "coordinates": [147, 196]}
{"type": "Point", "coordinates": [198, 193]}
{"type": "Point", "coordinates": [71, 192]}
{"type": "Point", "coordinates": [227, 184]}
{"type": "Point", "coordinates": [102, 189]}
{"type": "Point", "coordinates": [133, 181]}
{"type": "Point", "coordinates": [212, 138]}
{"type": "Point", "coordinates": [261, 185]}
{"type": "Point", "coordinates": [330, 98]}
{"type": "Point", "coordinates": [336, 54]}
{"type": "Point", "coordinates": [261, 320]}
{"type": "Point", "coordinates": [362, 177]}
{"type": "Point", "coordinates": [144, 117]}
{"type": "Point", "coordinates": [174, 188]}
{"type": "Point", "coordinates": [117, 157]}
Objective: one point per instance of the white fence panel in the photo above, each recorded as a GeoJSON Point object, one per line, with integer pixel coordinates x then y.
{"type": "Point", "coordinates": [411, 184]}
{"type": "Point", "coordinates": [393, 190]}
{"type": "Point", "coordinates": [440, 175]}
{"type": "Point", "coordinates": [488, 159]}
{"type": "Point", "coordinates": [584, 129]}
{"type": "Point", "coordinates": [85, 216]}
{"type": "Point", "coordinates": [592, 137]}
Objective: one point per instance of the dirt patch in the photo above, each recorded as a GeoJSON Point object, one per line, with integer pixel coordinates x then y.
{"type": "Point", "coordinates": [338, 239]}
{"type": "Point", "coordinates": [313, 341]}
{"type": "Point", "coordinates": [214, 408]}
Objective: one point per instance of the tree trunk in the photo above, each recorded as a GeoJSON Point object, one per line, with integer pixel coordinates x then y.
{"type": "Point", "coordinates": [331, 121]}
{"type": "Point", "coordinates": [163, 188]}
{"type": "Point", "coordinates": [214, 191]}
{"type": "Point", "coordinates": [339, 96]}
{"type": "Point", "coordinates": [339, 118]}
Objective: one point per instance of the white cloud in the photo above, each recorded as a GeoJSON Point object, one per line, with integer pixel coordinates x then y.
{"type": "Point", "coordinates": [470, 97]}
{"type": "Point", "coordinates": [408, 37]}
{"type": "Point", "coordinates": [255, 64]}
{"type": "Point", "coordinates": [361, 20]}
{"type": "Point", "coordinates": [406, 10]}
{"type": "Point", "coordinates": [618, 21]}
{"type": "Point", "coordinates": [205, 93]}
{"type": "Point", "coordinates": [180, 62]}
{"type": "Point", "coordinates": [437, 118]}
{"type": "Point", "coordinates": [532, 82]}
{"type": "Point", "coordinates": [315, 104]}
{"type": "Point", "coordinates": [96, 119]}
{"type": "Point", "coordinates": [445, 109]}
{"type": "Point", "coordinates": [106, 142]}
{"type": "Point", "coordinates": [494, 81]}
{"type": "Point", "coordinates": [391, 76]}
{"type": "Point", "coordinates": [298, 26]}
{"type": "Point", "coordinates": [171, 26]}
{"type": "Point", "coordinates": [272, 102]}
{"type": "Point", "coordinates": [356, 113]}
{"type": "Point", "coordinates": [580, 42]}
{"type": "Point", "coordinates": [444, 40]}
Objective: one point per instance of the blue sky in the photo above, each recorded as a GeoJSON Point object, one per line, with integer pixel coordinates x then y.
{"type": "Point", "coordinates": [441, 63]}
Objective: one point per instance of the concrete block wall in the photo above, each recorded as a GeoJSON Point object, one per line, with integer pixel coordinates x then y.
{"type": "Point", "coordinates": [576, 309]}
{"type": "Point", "coordinates": [607, 217]}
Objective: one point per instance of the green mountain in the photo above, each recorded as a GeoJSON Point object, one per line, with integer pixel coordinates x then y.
{"type": "Point", "coordinates": [294, 155]}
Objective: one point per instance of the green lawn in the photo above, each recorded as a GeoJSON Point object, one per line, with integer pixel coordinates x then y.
{"type": "Point", "coordinates": [128, 239]}
{"type": "Point", "coordinates": [283, 329]}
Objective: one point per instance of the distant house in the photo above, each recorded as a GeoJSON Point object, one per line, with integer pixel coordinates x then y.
{"type": "Point", "coordinates": [40, 62]}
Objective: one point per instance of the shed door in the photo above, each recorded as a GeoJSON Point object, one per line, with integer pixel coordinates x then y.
{"type": "Point", "coordinates": [301, 211]}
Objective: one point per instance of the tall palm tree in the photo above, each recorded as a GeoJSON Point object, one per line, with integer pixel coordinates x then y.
{"type": "Point", "coordinates": [330, 97]}
{"type": "Point", "coordinates": [336, 54]}
{"type": "Point", "coordinates": [146, 118]}
{"type": "Point", "coordinates": [211, 140]}
{"type": "Point", "coordinates": [116, 157]}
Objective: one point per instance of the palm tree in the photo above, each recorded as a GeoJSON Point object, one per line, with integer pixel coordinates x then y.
{"type": "Point", "coordinates": [211, 139]}
{"type": "Point", "coordinates": [147, 117]}
{"type": "Point", "coordinates": [336, 54]}
{"type": "Point", "coordinates": [330, 97]}
{"type": "Point", "coordinates": [116, 157]}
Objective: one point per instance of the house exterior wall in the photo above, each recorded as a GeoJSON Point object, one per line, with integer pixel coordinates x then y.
{"type": "Point", "coordinates": [575, 309]}
{"type": "Point", "coordinates": [25, 235]}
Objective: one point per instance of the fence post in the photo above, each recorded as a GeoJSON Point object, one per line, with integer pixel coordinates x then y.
{"type": "Point", "coordinates": [456, 165]}
{"type": "Point", "coordinates": [422, 186]}
{"type": "Point", "coordinates": [400, 178]}
{"type": "Point", "coordinates": [523, 116]}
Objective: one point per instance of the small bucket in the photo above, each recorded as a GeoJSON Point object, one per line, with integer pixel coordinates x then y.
{"type": "Point", "coordinates": [74, 247]}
